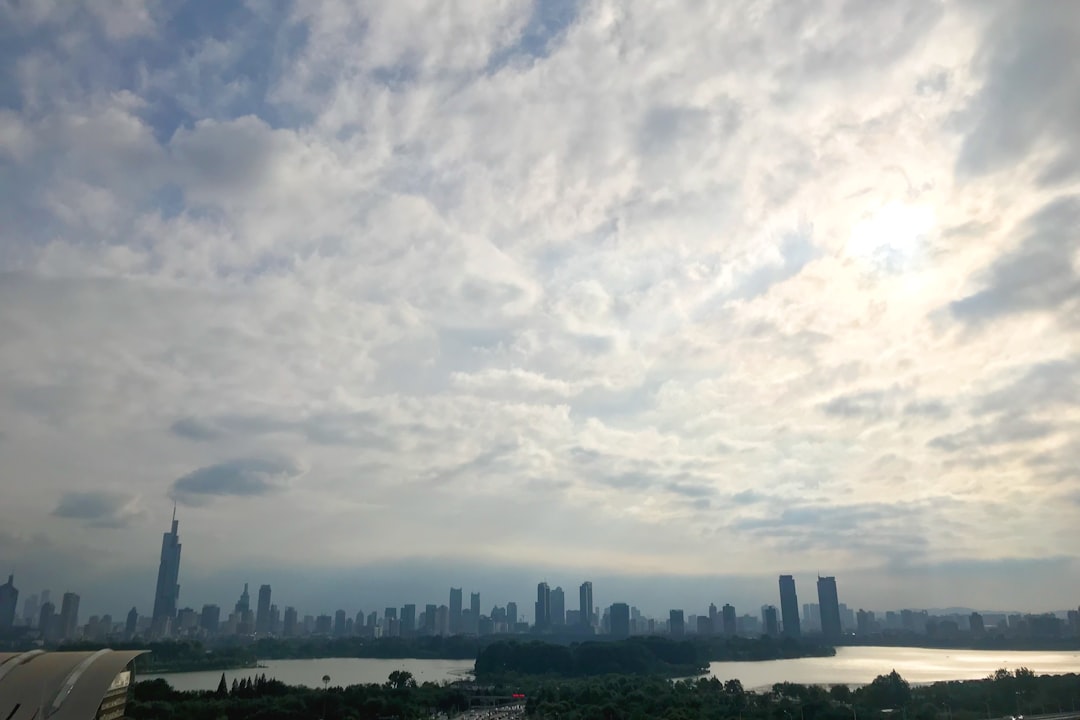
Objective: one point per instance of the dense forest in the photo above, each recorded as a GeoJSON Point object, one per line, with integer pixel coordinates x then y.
{"type": "Point", "coordinates": [633, 656]}
{"type": "Point", "coordinates": [619, 697]}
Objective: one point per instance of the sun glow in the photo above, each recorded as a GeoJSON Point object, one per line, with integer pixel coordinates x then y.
{"type": "Point", "coordinates": [891, 238]}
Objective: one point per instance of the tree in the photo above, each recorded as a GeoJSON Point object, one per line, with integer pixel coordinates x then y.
{"type": "Point", "coordinates": [222, 688]}
{"type": "Point", "coordinates": [888, 691]}
{"type": "Point", "coordinates": [401, 679]}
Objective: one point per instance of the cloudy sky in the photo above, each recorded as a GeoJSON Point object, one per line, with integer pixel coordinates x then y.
{"type": "Point", "coordinates": [391, 295]}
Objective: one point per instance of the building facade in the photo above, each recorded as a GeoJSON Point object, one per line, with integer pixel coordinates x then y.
{"type": "Point", "coordinates": [789, 607]}
{"type": "Point", "coordinates": [167, 592]}
{"type": "Point", "coordinates": [829, 605]}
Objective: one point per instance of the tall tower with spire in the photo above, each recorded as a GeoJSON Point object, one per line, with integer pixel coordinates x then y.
{"type": "Point", "coordinates": [168, 587]}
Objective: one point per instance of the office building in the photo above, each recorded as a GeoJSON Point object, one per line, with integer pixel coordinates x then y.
{"type": "Point", "coordinates": [210, 619]}
{"type": "Point", "coordinates": [975, 624]}
{"type": "Point", "coordinates": [864, 622]}
{"type": "Point", "coordinates": [131, 626]}
{"type": "Point", "coordinates": [324, 625]}
{"type": "Point", "coordinates": [339, 623]}
{"type": "Point", "coordinates": [430, 619]}
{"type": "Point", "coordinates": [620, 620]}
{"type": "Point", "coordinates": [769, 621]}
{"type": "Point", "coordinates": [789, 607]}
{"type": "Point", "coordinates": [558, 607]}
{"type": "Point", "coordinates": [30, 610]}
{"type": "Point", "coordinates": [511, 615]}
{"type": "Point", "coordinates": [730, 622]}
{"type": "Point", "coordinates": [542, 619]}
{"type": "Point", "coordinates": [48, 623]}
{"type": "Point", "coordinates": [454, 616]}
{"type": "Point", "coordinates": [244, 603]}
{"type": "Point", "coordinates": [262, 613]}
{"type": "Point", "coordinates": [676, 623]}
{"type": "Point", "coordinates": [9, 602]}
{"type": "Point", "coordinates": [811, 617]}
{"type": "Point", "coordinates": [830, 608]}
{"type": "Point", "coordinates": [585, 603]}
{"type": "Point", "coordinates": [69, 616]}
{"type": "Point", "coordinates": [288, 623]}
{"type": "Point", "coordinates": [408, 620]}
{"type": "Point", "coordinates": [442, 620]}
{"type": "Point", "coordinates": [167, 592]}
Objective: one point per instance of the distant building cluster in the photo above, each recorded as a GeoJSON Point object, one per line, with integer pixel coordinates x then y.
{"type": "Point", "coordinates": [828, 618]}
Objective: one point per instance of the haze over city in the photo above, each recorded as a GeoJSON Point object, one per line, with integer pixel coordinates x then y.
{"type": "Point", "coordinates": [395, 297]}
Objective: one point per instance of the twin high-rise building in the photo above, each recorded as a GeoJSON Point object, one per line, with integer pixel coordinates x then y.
{"type": "Point", "coordinates": [168, 586]}
{"type": "Point", "coordinates": [829, 605]}
{"type": "Point", "coordinates": [789, 607]}
{"type": "Point", "coordinates": [585, 604]}
{"type": "Point", "coordinates": [543, 606]}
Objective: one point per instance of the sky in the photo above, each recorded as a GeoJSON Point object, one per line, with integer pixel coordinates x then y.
{"type": "Point", "coordinates": [674, 296]}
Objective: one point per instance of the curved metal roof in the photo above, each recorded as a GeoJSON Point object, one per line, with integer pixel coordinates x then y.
{"type": "Point", "coordinates": [59, 685]}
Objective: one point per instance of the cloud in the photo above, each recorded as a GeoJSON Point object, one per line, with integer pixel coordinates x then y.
{"type": "Point", "coordinates": [934, 409]}
{"type": "Point", "coordinates": [1038, 275]}
{"type": "Point", "coordinates": [235, 478]}
{"type": "Point", "coordinates": [1030, 101]}
{"type": "Point", "coordinates": [581, 272]}
{"type": "Point", "coordinates": [194, 429]}
{"type": "Point", "coordinates": [868, 404]}
{"type": "Point", "coordinates": [99, 508]}
{"type": "Point", "coordinates": [1007, 429]}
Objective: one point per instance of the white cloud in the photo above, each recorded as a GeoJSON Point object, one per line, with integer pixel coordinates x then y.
{"type": "Point", "coordinates": [610, 280]}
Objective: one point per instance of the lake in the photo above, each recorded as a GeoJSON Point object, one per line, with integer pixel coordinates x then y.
{"type": "Point", "coordinates": [850, 666]}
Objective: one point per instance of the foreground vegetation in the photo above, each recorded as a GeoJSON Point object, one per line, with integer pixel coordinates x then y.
{"type": "Point", "coordinates": [620, 697]}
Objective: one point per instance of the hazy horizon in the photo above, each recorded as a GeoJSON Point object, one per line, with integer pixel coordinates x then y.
{"type": "Point", "coordinates": [574, 289]}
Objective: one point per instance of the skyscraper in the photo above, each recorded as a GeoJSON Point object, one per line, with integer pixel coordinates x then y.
{"type": "Point", "coordinates": [408, 620]}
{"type": "Point", "coordinates": [511, 615]}
{"type": "Point", "coordinates": [454, 618]}
{"type": "Point", "coordinates": [69, 616]}
{"type": "Point", "coordinates": [676, 623]}
{"type": "Point", "coordinates": [620, 620]}
{"type": "Point", "coordinates": [558, 607]}
{"type": "Point", "coordinates": [262, 614]}
{"type": "Point", "coordinates": [585, 603]}
{"type": "Point", "coordinates": [168, 588]}
{"type": "Point", "coordinates": [430, 618]}
{"type": "Point", "coordinates": [830, 607]}
{"type": "Point", "coordinates": [132, 624]}
{"type": "Point", "coordinates": [244, 603]}
{"type": "Point", "coordinates": [288, 624]}
{"type": "Point", "coordinates": [9, 600]}
{"type": "Point", "coordinates": [543, 606]}
{"type": "Point", "coordinates": [474, 614]}
{"type": "Point", "coordinates": [768, 620]}
{"type": "Point", "coordinates": [789, 607]}
{"type": "Point", "coordinates": [30, 609]}
{"type": "Point", "coordinates": [730, 621]}
{"type": "Point", "coordinates": [47, 622]}
{"type": "Point", "coordinates": [210, 619]}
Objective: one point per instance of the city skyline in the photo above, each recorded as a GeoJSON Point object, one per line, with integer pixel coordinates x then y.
{"type": "Point", "coordinates": [829, 618]}
{"type": "Point", "coordinates": [673, 297]}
